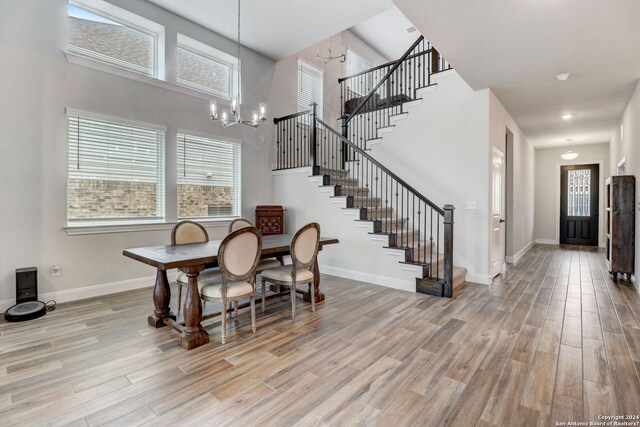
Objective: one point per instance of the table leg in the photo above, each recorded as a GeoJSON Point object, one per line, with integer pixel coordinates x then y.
{"type": "Point", "coordinates": [193, 334]}
{"type": "Point", "coordinates": [316, 284]}
{"type": "Point", "coordinates": [161, 299]}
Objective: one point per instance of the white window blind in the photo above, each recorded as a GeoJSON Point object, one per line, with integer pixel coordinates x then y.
{"type": "Point", "coordinates": [115, 171]}
{"type": "Point", "coordinates": [309, 87]}
{"type": "Point", "coordinates": [106, 38]}
{"type": "Point", "coordinates": [208, 177]}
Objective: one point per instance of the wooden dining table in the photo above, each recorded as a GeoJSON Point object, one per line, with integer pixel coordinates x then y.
{"type": "Point", "coordinates": [192, 259]}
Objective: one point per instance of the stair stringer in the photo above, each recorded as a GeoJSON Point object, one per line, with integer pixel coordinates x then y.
{"type": "Point", "coordinates": [359, 255]}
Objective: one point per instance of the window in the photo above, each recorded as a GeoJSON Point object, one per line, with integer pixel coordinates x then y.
{"type": "Point", "coordinates": [108, 34]}
{"type": "Point", "coordinates": [206, 69]}
{"type": "Point", "coordinates": [309, 87]}
{"type": "Point", "coordinates": [208, 177]}
{"type": "Point", "coordinates": [579, 183]}
{"type": "Point", "coordinates": [356, 64]}
{"type": "Point", "coordinates": [361, 85]}
{"type": "Point", "coordinates": [115, 171]}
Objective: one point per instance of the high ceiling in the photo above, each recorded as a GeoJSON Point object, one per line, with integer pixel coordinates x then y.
{"type": "Point", "coordinates": [518, 47]}
{"type": "Point", "coordinates": [387, 33]}
{"type": "Point", "coordinates": [277, 28]}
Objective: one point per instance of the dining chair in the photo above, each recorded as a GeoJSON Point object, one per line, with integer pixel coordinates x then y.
{"type": "Point", "coordinates": [304, 250]}
{"type": "Point", "coordinates": [264, 264]}
{"type": "Point", "coordinates": [238, 258]}
{"type": "Point", "coordinates": [183, 233]}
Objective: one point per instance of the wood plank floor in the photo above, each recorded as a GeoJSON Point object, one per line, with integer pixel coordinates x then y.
{"type": "Point", "coordinates": [555, 339]}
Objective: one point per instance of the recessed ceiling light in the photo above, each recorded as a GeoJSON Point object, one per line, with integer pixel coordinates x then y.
{"type": "Point", "coordinates": [562, 77]}
{"type": "Point", "coordinates": [567, 116]}
{"type": "Point", "coordinates": [411, 30]}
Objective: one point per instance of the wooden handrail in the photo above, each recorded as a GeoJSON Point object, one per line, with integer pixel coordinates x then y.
{"type": "Point", "coordinates": [364, 154]}
{"type": "Point", "coordinates": [386, 64]}
{"type": "Point", "coordinates": [384, 79]}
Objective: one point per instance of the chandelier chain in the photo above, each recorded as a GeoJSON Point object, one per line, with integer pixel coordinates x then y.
{"type": "Point", "coordinates": [239, 62]}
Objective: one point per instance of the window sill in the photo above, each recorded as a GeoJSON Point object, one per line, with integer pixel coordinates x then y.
{"type": "Point", "coordinates": [82, 230]}
{"type": "Point", "coordinates": [76, 59]}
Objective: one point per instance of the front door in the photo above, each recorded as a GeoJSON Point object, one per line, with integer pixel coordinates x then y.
{"type": "Point", "coordinates": [579, 204]}
{"type": "Point", "coordinates": [497, 212]}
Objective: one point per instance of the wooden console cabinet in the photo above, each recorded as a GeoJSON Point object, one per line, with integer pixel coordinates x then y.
{"type": "Point", "coordinates": [270, 219]}
{"type": "Point", "coordinates": [620, 224]}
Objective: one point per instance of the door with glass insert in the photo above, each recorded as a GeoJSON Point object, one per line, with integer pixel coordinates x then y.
{"type": "Point", "coordinates": [579, 205]}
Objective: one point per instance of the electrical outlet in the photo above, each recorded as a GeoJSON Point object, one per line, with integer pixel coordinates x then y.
{"type": "Point", "coordinates": [56, 270]}
{"type": "Point", "coordinates": [471, 204]}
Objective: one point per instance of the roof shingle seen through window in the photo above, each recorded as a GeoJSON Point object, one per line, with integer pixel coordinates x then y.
{"type": "Point", "coordinates": [203, 73]}
{"type": "Point", "coordinates": [127, 45]}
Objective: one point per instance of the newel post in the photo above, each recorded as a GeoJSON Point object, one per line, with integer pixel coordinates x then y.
{"type": "Point", "coordinates": [313, 150]}
{"type": "Point", "coordinates": [448, 250]}
{"type": "Point", "coordinates": [345, 133]}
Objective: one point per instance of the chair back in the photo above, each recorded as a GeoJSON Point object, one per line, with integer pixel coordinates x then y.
{"type": "Point", "coordinates": [304, 245]}
{"type": "Point", "coordinates": [188, 232]}
{"type": "Point", "coordinates": [239, 223]}
{"type": "Point", "coordinates": [239, 254]}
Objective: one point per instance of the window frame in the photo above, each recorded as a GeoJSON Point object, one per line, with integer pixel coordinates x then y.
{"type": "Point", "coordinates": [211, 53]}
{"type": "Point", "coordinates": [130, 20]}
{"type": "Point", "coordinates": [161, 216]}
{"type": "Point", "coordinates": [320, 109]}
{"type": "Point", "coordinates": [237, 202]}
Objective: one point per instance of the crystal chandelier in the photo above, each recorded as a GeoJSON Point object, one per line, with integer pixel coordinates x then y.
{"type": "Point", "coordinates": [233, 116]}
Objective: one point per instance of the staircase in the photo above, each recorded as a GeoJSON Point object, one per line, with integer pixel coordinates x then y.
{"type": "Point", "coordinates": [398, 215]}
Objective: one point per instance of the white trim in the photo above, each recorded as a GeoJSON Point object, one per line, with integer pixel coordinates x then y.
{"type": "Point", "coordinates": [89, 291]}
{"type": "Point", "coordinates": [91, 115]}
{"type": "Point", "coordinates": [304, 169]}
{"type": "Point", "coordinates": [514, 259]}
{"type": "Point", "coordinates": [601, 191]}
{"type": "Point", "coordinates": [389, 282]}
{"type": "Point", "coordinates": [81, 230]}
{"type": "Point", "coordinates": [76, 59]}
{"type": "Point", "coordinates": [635, 283]}
{"type": "Point", "coordinates": [481, 279]}
{"type": "Point", "coordinates": [442, 74]}
{"type": "Point", "coordinates": [546, 241]}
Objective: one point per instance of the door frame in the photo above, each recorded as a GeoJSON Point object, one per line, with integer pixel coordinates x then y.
{"type": "Point", "coordinates": [601, 192]}
{"type": "Point", "coordinates": [503, 243]}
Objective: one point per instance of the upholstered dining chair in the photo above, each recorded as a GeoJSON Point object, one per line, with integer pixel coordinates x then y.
{"type": "Point", "coordinates": [264, 264]}
{"type": "Point", "coordinates": [304, 250]}
{"type": "Point", "coordinates": [186, 232]}
{"type": "Point", "coordinates": [239, 223]}
{"type": "Point", "coordinates": [238, 258]}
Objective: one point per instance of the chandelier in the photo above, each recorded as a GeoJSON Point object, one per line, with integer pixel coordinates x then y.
{"type": "Point", "coordinates": [233, 115]}
{"type": "Point", "coordinates": [569, 155]}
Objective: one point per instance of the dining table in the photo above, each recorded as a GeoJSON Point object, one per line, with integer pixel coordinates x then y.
{"type": "Point", "coordinates": [193, 258]}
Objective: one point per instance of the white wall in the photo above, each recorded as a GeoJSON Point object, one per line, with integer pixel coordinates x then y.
{"type": "Point", "coordinates": [284, 96]}
{"type": "Point", "coordinates": [628, 148]}
{"type": "Point", "coordinates": [36, 84]}
{"type": "Point", "coordinates": [521, 155]}
{"type": "Point", "coordinates": [358, 256]}
{"type": "Point", "coordinates": [442, 149]}
{"type": "Point", "coordinates": [547, 187]}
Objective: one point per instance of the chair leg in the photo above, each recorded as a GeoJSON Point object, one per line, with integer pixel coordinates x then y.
{"type": "Point", "coordinates": [253, 313]}
{"type": "Point", "coordinates": [312, 286]}
{"type": "Point", "coordinates": [235, 309]}
{"type": "Point", "coordinates": [293, 300]}
{"type": "Point", "coordinates": [224, 320]}
{"type": "Point", "coordinates": [264, 289]}
{"type": "Point", "coordinates": [179, 298]}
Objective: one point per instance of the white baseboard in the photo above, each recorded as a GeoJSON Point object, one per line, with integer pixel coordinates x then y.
{"type": "Point", "coordinates": [547, 241]}
{"type": "Point", "coordinates": [389, 282]}
{"type": "Point", "coordinates": [514, 259]}
{"type": "Point", "coordinates": [88, 291]}
{"type": "Point", "coordinates": [634, 283]}
{"type": "Point", "coordinates": [483, 279]}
